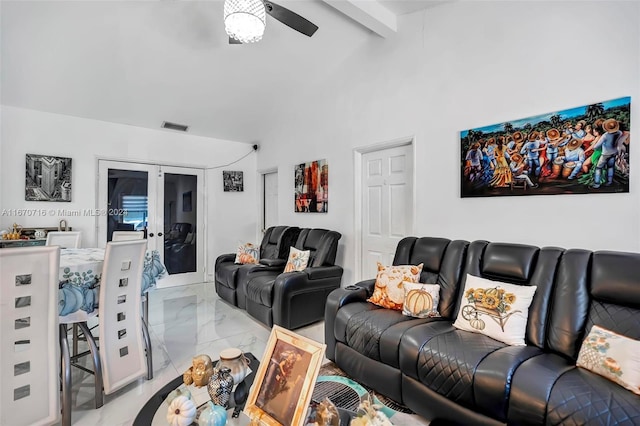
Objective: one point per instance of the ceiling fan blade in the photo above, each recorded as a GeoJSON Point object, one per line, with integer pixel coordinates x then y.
{"type": "Point", "coordinates": [234, 41]}
{"type": "Point", "coordinates": [290, 19]}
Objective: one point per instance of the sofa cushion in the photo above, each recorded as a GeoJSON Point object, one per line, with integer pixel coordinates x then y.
{"type": "Point", "coordinates": [496, 309]}
{"type": "Point", "coordinates": [448, 361]}
{"type": "Point", "coordinates": [580, 397]}
{"type": "Point", "coordinates": [365, 329]}
{"type": "Point", "coordinates": [421, 300]}
{"type": "Point", "coordinates": [388, 292]}
{"type": "Point", "coordinates": [297, 260]}
{"type": "Point", "coordinates": [612, 356]}
{"type": "Point", "coordinates": [260, 287]}
{"type": "Point", "coordinates": [247, 253]}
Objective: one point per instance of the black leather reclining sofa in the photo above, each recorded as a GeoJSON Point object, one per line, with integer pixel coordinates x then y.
{"type": "Point", "coordinates": [444, 373]}
{"type": "Point", "coordinates": [292, 299]}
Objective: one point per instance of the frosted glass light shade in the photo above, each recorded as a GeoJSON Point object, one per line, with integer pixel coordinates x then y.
{"type": "Point", "coordinates": [244, 20]}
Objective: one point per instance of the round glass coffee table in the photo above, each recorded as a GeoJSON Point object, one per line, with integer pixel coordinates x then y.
{"type": "Point", "coordinates": [154, 412]}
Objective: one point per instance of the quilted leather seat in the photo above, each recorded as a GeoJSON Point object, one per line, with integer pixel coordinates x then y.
{"type": "Point", "coordinates": [230, 277]}
{"type": "Point", "coordinates": [296, 299]}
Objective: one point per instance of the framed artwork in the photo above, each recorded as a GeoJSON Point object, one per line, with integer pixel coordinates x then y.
{"type": "Point", "coordinates": [312, 187]}
{"type": "Point", "coordinates": [48, 178]}
{"type": "Point", "coordinates": [233, 181]}
{"type": "Point", "coordinates": [582, 150]}
{"type": "Point", "coordinates": [285, 379]}
{"type": "Point", "coordinates": [186, 201]}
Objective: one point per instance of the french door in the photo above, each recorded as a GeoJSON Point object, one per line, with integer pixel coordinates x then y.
{"type": "Point", "coordinates": [167, 203]}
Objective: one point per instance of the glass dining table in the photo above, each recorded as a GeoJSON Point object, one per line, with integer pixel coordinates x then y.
{"type": "Point", "coordinates": [79, 280]}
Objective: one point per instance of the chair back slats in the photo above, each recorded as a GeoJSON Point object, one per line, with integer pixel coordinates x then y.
{"type": "Point", "coordinates": [122, 350]}
{"type": "Point", "coordinates": [64, 239]}
{"type": "Point", "coordinates": [127, 235]}
{"type": "Point", "coordinates": [29, 351]}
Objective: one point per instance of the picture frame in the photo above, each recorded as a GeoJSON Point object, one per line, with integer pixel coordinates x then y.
{"type": "Point", "coordinates": [47, 178]}
{"type": "Point", "coordinates": [580, 150]}
{"type": "Point", "coordinates": [186, 201]}
{"type": "Point", "coordinates": [311, 187]}
{"type": "Point", "coordinates": [233, 180]}
{"type": "Point", "coordinates": [284, 382]}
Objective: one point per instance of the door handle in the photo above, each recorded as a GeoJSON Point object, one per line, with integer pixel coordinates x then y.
{"type": "Point", "coordinates": [151, 234]}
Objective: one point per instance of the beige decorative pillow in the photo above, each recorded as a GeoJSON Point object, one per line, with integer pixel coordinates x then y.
{"type": "Point", "coordinates": [496, 309]}
{"type": "Point", "coordinates": [389, 292]}
{"type": "Point", "coordinates": [247, 253]}
{"type": "Point", "coordinates": [613, 356]}
{"type": "Point", "coordinates": [421, 300]}
{"type": "Point", "coordinates": [298, 260]}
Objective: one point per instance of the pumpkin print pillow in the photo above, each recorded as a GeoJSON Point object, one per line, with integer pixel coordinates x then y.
{"type": "Point", "coordinates": [298, 260]}
{"type": "Point", "coordinates": [612, 356]}
{"type": "Point", "coordinates": [421, 300]}
{"type": "Point", "coordinates": [496, 309]}
{"type": "Point", "coordinates": [389, 291]}
{"type": "Point", "coordinates": [247, 254]}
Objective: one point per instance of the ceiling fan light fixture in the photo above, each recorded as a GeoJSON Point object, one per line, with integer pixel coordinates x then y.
{"type": "Point", "coordinates": [244, 20]}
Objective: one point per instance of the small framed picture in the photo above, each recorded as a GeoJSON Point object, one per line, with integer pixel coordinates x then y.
{"type": "Point", "coordinates": [233, 181]}
{"type": "Point", "coordinates": [285, 379]}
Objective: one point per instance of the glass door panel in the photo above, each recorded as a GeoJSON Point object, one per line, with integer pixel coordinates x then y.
{"type": "Point", "coordinates": [180, 219]}
{"type": "Point", "coordinates": [127, 201]}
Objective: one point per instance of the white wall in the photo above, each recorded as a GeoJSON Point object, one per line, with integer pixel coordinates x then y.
{"type": "Point", "coordinates": [459, 66]}
{"type": "Point", "coordinates": [27, 131]}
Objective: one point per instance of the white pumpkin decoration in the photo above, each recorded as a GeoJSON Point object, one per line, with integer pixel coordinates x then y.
{"type": "Point", "coordinates": [176, 393]}
{"type": "Point", "coordinates": [181, 412]}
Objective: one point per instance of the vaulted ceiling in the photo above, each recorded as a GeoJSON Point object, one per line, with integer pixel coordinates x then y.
{"type": "Point", "coordinates": [144, 62]}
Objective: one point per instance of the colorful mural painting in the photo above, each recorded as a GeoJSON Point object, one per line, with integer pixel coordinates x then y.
{"type": "Point", "coordinates": [312, 187]}
{"type": "Point", "coordinates": [583, 150]}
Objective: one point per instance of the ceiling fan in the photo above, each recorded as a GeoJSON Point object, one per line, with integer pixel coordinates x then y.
{"type": "Point", "coordinates": [245, 20]}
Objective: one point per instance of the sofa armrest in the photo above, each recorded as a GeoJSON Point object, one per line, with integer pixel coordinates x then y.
{"type": "Point", "coordinates": [299, 300]}
{"type": "Point", "coordinates": [368, 285]}
{"type": "Point", "coordinates": [273, 262]}
{"type": "Point", "coordinates": [224, 258]}
{"type": "Point", "coordinates": [320, 272]}
{"type": "Point", "coordinates": [337, 299]}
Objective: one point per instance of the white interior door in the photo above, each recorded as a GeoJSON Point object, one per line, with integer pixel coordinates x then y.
{"type": "Point", "coordinates": [167, 203]}
{"type": "Point", "coordinates": [386, 205]}
{"type": "Point", "coordinates": [270, 200]}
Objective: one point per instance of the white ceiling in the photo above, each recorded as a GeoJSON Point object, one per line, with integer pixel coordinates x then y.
{"type": "Point", "coordinates": [144, 62]}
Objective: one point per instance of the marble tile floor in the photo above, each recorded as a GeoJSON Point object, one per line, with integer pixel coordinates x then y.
{"type": "Point", "coordinates": [184, 321]}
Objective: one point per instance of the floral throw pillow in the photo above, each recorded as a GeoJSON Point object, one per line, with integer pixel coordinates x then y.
{"type": "Point", "coordinates": [389, 291]}
{"type": "Point", "coordinates": [298, 260]}
{"type": "Point", "coordinates": [247, 253]}
{"type": "Point", "coordinates": [421, 300]}
{"type": "Point", "coordinates": [613, 356]}
{"type": "Point", "coordinates": [496, 309]}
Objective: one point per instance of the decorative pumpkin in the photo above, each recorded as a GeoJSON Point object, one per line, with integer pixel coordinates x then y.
{"type": "Point", "coordinates": [213, 415]}
{"type": "Point", "coordinates": [418, 300]}
{"type": "Point", "coordinates": [181, 412]}
{"type": "Point", "coordinates": [477, 323]}
{"type": "Point", "coordinates": [176, 393]}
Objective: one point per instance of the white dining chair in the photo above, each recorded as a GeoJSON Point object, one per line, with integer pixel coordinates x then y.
{"type": "Point", "coordinates": [64, 239]}
{"type": "Point", "coordinates": [123, 334]}
{"type": "Point", "coordinates": [127, 235]}
{"type": "Point", "coordinates": [29, 351]}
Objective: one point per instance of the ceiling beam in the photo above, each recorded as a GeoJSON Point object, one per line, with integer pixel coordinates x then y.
{"type": "Point", "coordinates": [368, 13]}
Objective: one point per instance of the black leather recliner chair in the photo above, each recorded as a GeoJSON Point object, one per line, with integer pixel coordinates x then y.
{"type": "Point", "coordinates": [230, 277]}
{"type": "Point", "coordinates": [296, 299]}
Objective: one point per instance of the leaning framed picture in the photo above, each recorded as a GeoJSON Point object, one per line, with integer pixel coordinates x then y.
{"type": "Point", "coordinates": [285, 379]}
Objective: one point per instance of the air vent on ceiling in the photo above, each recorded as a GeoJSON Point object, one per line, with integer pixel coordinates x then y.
{"type": "Point", "coordinates": [174, 126]}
